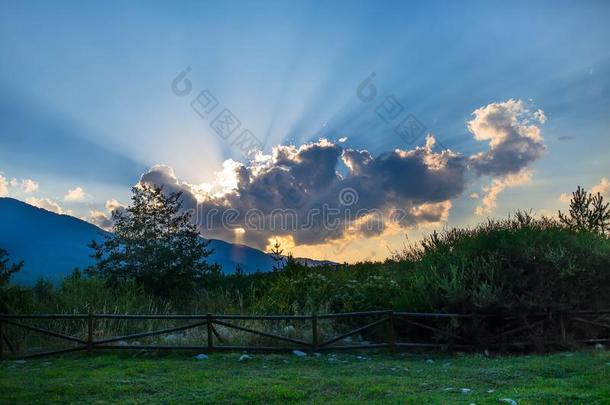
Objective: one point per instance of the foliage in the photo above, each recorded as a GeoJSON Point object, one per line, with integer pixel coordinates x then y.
{"type": "Point", "coordinates": [154, 244]}
{"type": "Point", "coordinates": [81, 294]}
{"type": "Point", "coordinates": [7, 269]}
{"type": "Point", "coordinates": [518, 264]}
{"type": "Point", "coordinates": [299, 289]}
{"type": "Point", "coordinates": [588, 212]}
{"type": "Point", "coordinates": [279, 259]}
{"type": "Point", "coordinates": [513, 265]}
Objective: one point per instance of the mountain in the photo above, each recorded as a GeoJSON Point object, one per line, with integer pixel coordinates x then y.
{"type": "Point", "coordinates": [52, 245]}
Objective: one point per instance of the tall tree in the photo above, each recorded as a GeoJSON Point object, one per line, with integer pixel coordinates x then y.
{"type": "Point", "coordinates": [154, 243]}
{"type": "Point", "coordinates": [7, 269]}
{"type": "Point", "coordinates": [588, 212]}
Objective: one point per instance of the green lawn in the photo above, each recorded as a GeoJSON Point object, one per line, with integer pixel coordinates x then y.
{"type": "Point", "coordinates": [345, 378]}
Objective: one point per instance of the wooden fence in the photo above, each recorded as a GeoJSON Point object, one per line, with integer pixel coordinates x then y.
{"type": "Point", "coordinates": [392, 337]}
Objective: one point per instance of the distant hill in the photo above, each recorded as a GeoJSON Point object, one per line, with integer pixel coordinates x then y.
{"type": "Point", "coordinates": [52, 245]}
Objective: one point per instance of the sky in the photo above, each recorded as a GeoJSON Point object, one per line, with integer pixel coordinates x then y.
{"type": "Point", "coordinates": [505, 106]}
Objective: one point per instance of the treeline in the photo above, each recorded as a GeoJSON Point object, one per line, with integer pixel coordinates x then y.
{"type": "Point", "coordinates": [514, 266]}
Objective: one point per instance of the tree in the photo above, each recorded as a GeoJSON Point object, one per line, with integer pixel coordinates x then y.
{"type": "Point", "coordinates": [588, 212]}
{"type": "Point", "coordinates": [6, 269]}
{"type": "Point", "coordinates": [276, 255]}
{"type": "Point", "coordinates": [154, 243]}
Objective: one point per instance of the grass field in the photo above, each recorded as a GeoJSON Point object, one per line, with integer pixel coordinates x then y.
{"type": "Point", "coordinates": [582, 377]}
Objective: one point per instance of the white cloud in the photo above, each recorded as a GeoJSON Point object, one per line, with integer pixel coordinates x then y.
{"type": "Point", "coordinates": [565, 198]}
{"type": "Point", "coordinates": [76, 194]}
{"type": "Point", "coordinates": [497, 186]}
{"type": "Point", "coordinates": [543, 212]}
{"type": "Point", "coordinates": [100, 219]}
{"type": "Point", "coordinates": [514, 142]}
{"type": "Point", "coordinates": [47, 204]}
{"type": "Point", "coordinates": [540, 116]}
{"type": "Point", "coordinates": [28, 186]}
{"type": "Point", "coordinates": [104, 219]}
{"type": "Point", "coordinates": [3, 186]}
{"type": "Point", "coordinates": [603, 188]}
{"type": "Point", "coordinates": [113, 204]}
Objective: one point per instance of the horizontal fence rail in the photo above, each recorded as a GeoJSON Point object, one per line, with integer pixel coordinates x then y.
{"type": "Point", "coordinates": [392, 337]}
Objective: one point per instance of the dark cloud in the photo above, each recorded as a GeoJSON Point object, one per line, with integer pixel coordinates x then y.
{"type": "Point", "coordinates": [513, 155]}
{"type": "Point", "coordinates": [300, 191]}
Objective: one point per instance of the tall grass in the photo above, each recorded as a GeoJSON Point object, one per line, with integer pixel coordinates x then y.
{"type": "Point", "coordinates": [515, 266]}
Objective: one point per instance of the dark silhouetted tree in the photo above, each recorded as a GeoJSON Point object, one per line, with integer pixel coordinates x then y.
{"type": "Point", "coordinates": [7, 269]}
{"type": "Point", "coordinates": [154, 243]}
{"type": "Point", "coordinates": [588, 212]}
{"type": "Point", "coordinates": [277, 256]}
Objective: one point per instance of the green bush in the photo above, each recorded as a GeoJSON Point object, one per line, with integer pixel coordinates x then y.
{"type": "Point", "coordinates": [515, 265]}
{"type": "Point", "coordinates": [297, 289]}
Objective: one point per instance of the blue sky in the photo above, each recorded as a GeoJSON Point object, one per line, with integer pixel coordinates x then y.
{"type": "Point", "coordinates": [87, 98]}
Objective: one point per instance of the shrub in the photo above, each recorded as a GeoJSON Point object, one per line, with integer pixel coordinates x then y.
{"type": "Point", "coordinates": [297, 289]}
{"type": "Point", "coordinates": [520, 264]}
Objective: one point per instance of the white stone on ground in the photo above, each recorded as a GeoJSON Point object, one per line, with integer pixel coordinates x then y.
{"type": "Point", "coordinates": [201, 356]}
{"type": "Point", "coordinates": [299, 353]}
{"type": "Point", "coordinates": [245, 357]}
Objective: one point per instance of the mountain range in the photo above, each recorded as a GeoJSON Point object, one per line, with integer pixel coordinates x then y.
{"type": "Point", "coordinates": [52, 245]}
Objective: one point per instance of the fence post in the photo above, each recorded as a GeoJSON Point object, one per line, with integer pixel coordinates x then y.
{"type": "Point", "coordinates": [1, 338]}
{"type": "Point", "coordinates": [391, 332]}
{"type": "Point", "coordinates": [209, 318]}
{"type": "Point", "coordinates": [90, 333]}
{"type": "Point", "coordinates": [314, 332]}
